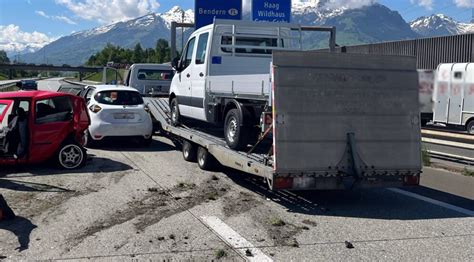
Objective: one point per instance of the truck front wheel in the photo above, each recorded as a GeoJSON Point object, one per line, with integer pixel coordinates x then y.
{"type": "Point", "coordinates": [174, 108]}
{"type": "Point", "coordinates": [236, 135]}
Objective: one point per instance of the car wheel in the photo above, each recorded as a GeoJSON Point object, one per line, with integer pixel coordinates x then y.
{"type": "Point", "coordinates": [71, 155]}
{"type": "Point", "coordinates": [175, 116]}
{"type": "Point", "coordinates": [189, 151]}
{"type": "Point", "coordinates": [204, 159]}
{"type": "Point", "coordinates": [235, 134]}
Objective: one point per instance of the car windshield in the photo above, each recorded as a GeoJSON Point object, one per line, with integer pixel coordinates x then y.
{"type": "Point", "coordinates": [129, 98]}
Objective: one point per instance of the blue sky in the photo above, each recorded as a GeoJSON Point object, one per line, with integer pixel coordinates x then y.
{"type": "Point", "coordinates": [46, 20]}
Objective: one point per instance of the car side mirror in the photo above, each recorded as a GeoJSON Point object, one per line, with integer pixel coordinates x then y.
{"type": "Point", "coordinates": [18, 84]}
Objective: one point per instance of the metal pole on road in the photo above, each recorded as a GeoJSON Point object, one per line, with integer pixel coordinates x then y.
{"type": "Point", "coordinates": [174, 26]}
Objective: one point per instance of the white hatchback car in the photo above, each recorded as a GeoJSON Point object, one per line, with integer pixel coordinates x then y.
{"type": "Point", "coordinates": [116, 111]}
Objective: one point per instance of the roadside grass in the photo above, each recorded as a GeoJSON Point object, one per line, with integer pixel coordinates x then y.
{"type": "Point", "coordinates": [97, 77]}
{"type": "Point", "coordinates": [425, 156]}
{"type": "Point", "coordinates": [467, 172]}
{"type": "Point", "coordinates": [220, 253]}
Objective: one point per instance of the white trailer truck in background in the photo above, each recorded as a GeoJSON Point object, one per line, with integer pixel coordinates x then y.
{"type": "Point", "coordinates": [426, 85]}
{"type": "Point", "coordinates": [327, 120]}
{"type": "Point", "coordinates": [454, 96]}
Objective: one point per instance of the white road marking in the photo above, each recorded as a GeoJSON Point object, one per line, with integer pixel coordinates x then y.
{"type": "Point", "coordinates": [228, 235]}
{"type": "Point", "coordinates": [433, 201]}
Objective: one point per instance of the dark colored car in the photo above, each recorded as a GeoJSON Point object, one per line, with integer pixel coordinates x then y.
{"type": "Point", "coordinates": [36, 126]}
{"type": "Point", "coordinates": [27, 85]}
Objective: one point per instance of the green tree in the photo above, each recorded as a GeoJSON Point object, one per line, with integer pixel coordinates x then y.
{"type": "Point", "coordinates": [163, 51]}
{"type": "Point", "coordinates": [4, 58]}
{"type": "Point", "coordinates": [138, 54]}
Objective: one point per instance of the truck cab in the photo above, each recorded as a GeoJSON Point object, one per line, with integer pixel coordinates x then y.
{"type": "Point", "coordinates": [223, 75]}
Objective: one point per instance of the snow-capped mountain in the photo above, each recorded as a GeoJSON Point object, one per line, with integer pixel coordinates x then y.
{"type": "Point", "coordinates": [366, 24]}
{"type": "Point", "coordinates": [176, 14]}
{"type": "Point", "coordinates": [439, 25]}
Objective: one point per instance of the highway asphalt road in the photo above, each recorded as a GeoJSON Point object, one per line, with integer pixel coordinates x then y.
{"type": "Point", "coordinates": [50, 84]}
{"type": "Point", "coordinates": [148, 203]}
{"type": "Point", "coordinates": [131, 202]}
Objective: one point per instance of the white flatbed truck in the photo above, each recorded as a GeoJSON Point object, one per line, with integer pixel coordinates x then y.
{"type": "Point", "coordinates": [337, 121]}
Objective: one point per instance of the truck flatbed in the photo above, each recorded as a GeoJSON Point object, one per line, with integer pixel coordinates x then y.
{"type": "Point", "coordinates": [252, 163]}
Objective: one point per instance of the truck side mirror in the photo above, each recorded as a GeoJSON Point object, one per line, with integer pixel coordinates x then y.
{"type": "Point", "coordinates": [176, 64]}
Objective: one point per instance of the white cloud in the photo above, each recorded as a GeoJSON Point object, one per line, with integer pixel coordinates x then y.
{"type": "Point", "coordinates": [12, 39]}
{"type": "Point", "coordinates": [464, 3]}
{"type": "Point", "coordinates": [428, 4]}
{"type": "Point", "coordinates": [56, 17]}
{"type": "Point", "coordinates": [108, 11]}
{"type": "Point", "coordinates": [41, 13]}
{"type": "Point", "coordinates": [350, 4]}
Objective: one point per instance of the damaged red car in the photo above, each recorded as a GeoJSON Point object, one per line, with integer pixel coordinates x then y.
{"type": "Point", "coordinates": [37, 126]}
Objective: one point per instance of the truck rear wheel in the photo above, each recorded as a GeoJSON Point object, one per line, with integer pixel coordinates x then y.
{"type": "Point", "coordinates": [470, 127]}
{"type": "Point", "coordinates": [204, 159]}
{"type": "Point", "coordinates": [175, 116]}
{"type": "Point", "coordinates": [236, 135]}
{"type": "Point", "coordinates": [189, 151]}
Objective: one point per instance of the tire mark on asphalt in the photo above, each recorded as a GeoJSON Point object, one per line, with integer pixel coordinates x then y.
{"type": "Point", "coordinates": [180, 204]}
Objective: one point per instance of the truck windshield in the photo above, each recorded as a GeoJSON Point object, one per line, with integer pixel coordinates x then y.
{"type": "Point", "coordinates": [154, 75]}
{"type": "Point", "coordinates": [250, 41]}
{"type": "Point", "coordinates": [125, 98]}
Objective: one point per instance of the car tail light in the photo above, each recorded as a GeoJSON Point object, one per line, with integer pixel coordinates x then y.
{"type": "Point", "coordinates": [283, 183]}
{"type": "Point", "coordinates": [95, 108]}
{"type": "Point", "coordinates": [411, 180]}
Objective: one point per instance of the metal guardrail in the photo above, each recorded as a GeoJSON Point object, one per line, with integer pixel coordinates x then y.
{"type": "Point", "coordinates": [6, 86]}
{"type": "Point", "coordinates": [451, 146]}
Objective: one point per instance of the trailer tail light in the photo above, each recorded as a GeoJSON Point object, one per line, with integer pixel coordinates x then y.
{"type": "Point", "coordinates": [283, 183]}
{"type": "Point", "coordinates": [95, 108]}
{"type": "Point", "coordinates": [411, 180]}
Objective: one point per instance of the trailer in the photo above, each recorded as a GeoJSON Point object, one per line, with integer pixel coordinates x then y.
{"type": "Point", "coordinates": [338, 121]}
{"type": "Point", "coordinates": [454, 96]}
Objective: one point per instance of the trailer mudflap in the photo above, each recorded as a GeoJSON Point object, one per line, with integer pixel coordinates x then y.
{"type": "Point", "coordinates": [344, 121]}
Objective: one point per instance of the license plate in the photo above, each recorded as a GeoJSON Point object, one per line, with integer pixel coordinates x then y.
{"type": "Point", "coordinates": [124, 116]}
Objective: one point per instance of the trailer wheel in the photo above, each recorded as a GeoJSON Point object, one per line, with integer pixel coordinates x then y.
{"type": "Point", "coordinates": [470, 127]}
{"type": "Point", "coordinates": [189, 151]}
{"type": "Point", "coordinates": [236, 135]}
{"type": "Point", "coordinates": [204, 159]}
{"type": "Point", "coordinates": [174, 108]}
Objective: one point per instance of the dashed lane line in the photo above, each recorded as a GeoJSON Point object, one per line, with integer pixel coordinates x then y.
{"type": "Point", "coordinates": [228, 235]}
